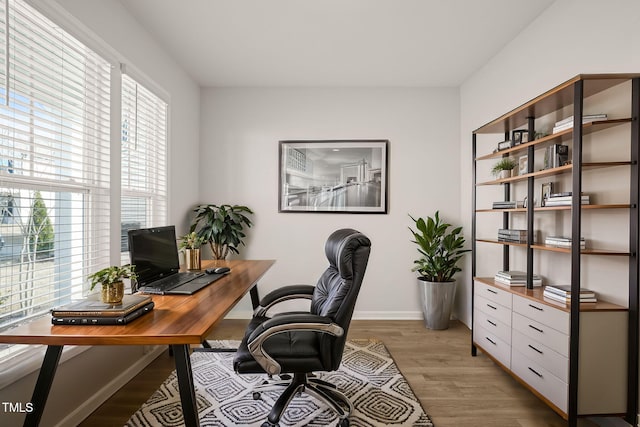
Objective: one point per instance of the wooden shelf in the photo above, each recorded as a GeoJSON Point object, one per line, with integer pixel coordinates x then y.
{"type": "Point", "coordinates": [536, 294]}
{"type": "Point", "coordinates": [552, 100]}
{"type": "Point", "coordinates": [552, 172]}
{"type": "Point", "coordinates": [587, 128]}
{"type": "Point", "coordinates": [541, 247]}
{"type": "Point", "coordinates": [559, 208]}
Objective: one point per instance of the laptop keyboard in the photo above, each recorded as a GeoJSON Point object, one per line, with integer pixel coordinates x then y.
{"type": "Point", "coordinates": [175, 280]}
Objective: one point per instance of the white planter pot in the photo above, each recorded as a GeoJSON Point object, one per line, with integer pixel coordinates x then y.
{"type": "Point", "coordinates": [437, 302]}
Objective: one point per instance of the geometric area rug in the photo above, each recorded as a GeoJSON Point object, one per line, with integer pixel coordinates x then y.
{"type": "Point", "coordinates": [368, 376]}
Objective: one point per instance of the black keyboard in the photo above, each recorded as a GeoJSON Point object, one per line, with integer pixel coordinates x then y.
{"type": "Point", "coordinates": [171, 282]}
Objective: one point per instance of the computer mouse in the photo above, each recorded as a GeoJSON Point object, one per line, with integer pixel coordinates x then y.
{"type": "Point", "coordinates": [217, 270]}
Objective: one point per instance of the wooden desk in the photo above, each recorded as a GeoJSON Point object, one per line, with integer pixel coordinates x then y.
{"type": "Point", "coordinates": [176, 320]}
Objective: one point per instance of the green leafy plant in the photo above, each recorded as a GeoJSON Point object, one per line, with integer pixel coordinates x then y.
{"type": "Point", "coordinates": [191, 241]}
{"type": "Point", "coordinates": [505, 164]}
{"type": "Point", "coordinates": [441, 248]}
{"type": "Point", "coordinates": [222, 227]}
{"type": "Point", "coordinates": [110, 275]}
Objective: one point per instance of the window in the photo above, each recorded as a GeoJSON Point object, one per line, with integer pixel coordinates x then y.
{"type": "Point", "coordinates": [144, 154]}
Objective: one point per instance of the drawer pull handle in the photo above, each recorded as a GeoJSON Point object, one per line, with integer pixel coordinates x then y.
{"type": "Point", "coordinates": [536, 329]}
{"type": "Point", "coordinates": [490, 306]}
{"type": "Point", "coordinates": [490, 340]}
{"type": "Point", "coordinates": [535, 307]}
{"type": "Point", "coordinates": [492, 291]}
{"type": "Point", "coordinates": [534, 371]}
{"type": "Point", "coordinates": [492, 323]}
{"type": "Point", "coordinates": [535, 349]}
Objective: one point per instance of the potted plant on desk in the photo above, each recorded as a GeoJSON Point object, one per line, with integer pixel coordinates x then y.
{"type": "Point", "coordinates": [110, 278]}
{"type": "Point", "coordinates": [222, 226]}
{"type": "Point", "coordinates": [440, 251]}
{"type": "Point", "coordinates": [190, 245]}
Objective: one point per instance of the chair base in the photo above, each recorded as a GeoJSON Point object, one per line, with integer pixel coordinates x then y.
{"type": "Point", "coordinates": [322, 390]}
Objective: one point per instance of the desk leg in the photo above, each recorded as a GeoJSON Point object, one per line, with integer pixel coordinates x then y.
{"type": "Point", "coordinates": [43, 384]}
{"type": "Point", "coordinates": [185, 383]}
{"type": "Point", "coordinates": [255, 298]}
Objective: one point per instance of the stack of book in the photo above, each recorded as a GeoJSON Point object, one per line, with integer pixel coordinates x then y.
{"type": "Point", "coordinates": [563, 242]}
{"type": "Point", "coordinates": [516, 278]}
{"type": "Point", "coordinates": [556, 155]}
{"type": "Point", "coordinates": [562, 293]}
{"type": "Point", "coordinates": [92, 311]}
{"type": "Point", "coordinates": [508, 204]}
{"type": "Point", "coordinates": [565, 199]}
{"type": "Point", "coordinates": [568, 122]}
{"type": "Point", "coordinates": [512, 235]}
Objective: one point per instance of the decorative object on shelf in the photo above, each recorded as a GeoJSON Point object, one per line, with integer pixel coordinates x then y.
{"type": "Point", "coordinates": [546, 190]}
{"type": "Point", "coordinates": [222, 227]}
{"type": "Point", "coordinates": [441, 249]}
{"type": "Point", "coordinates": [503, 168]}
{"type": "Point", "coordinates": [333, 176]}
{"type": "Point", "coordinates": [523, 165]}
{"type": "Point", "coordinates": [519, 136]}
{"type": "Point", "coordinates": [111, 280]}
{"type": "Point", "coordinates": [556, 155]}
{"type": "Point", "coordinates": [190, 245]}
{"type": "Point", "coordinates": [568, 122]}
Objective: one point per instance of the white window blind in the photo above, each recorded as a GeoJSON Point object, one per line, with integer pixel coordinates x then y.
{"type": "Point", "coordinates": [54, 164]}
{"type": "Point", "coordinates": [144, 159]}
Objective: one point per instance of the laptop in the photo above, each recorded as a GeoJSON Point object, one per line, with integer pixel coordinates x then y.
{"type": "Point", "coordinates": [155, 254]}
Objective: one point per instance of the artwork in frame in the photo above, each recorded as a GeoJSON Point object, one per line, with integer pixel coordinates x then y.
{"type": "Point", "coordinates": [340, 176]}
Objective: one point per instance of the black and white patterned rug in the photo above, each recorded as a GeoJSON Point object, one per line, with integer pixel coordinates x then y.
{"type": "Point", "coordinates": [368, 376]}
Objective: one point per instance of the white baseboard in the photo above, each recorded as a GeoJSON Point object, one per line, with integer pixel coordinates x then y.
{"type": "Point", "coordinates": [87, 407]}
{"type": "Point", "coordinates": [358, 315]}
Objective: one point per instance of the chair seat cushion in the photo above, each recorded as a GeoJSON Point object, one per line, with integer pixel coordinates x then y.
{"type": "Point", "coordinates": [295, 351]}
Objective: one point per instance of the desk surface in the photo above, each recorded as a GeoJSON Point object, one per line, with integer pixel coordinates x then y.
{"type": "Point", "coordinates": [175, 319]}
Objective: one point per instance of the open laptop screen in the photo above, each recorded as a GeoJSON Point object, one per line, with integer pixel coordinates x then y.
{"type": "Point", "coordinates": [154, 253]}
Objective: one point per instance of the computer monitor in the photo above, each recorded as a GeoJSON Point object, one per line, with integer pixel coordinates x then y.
{"type": "Point", "coordinates": [154, 252]}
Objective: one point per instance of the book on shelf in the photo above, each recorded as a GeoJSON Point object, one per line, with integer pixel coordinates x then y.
{"type": "Point", "coordinates": [511, 232]}
{"type": "Point", "coordinates": [568, 122]}
{"type": "Point", "coordinates": [94, 307]}
{"type": "Point", "coordinates": [563, 242]}
{"type": "Point", "coordinates": [552, 200]}
{"type": "Point", "coordinates": [505, 144]}
{"type": "Point", "coordinates": [516, 278]}
{"type": "Point", "coordinates": [508, 204]}
{"type": "Point", "coordinates": [565, 291]}
{"type": "Point", "coordinates": [512, 235]}
{"type": "Point", "coordinates": [103, 320]}
{"type": "Point", "coordinates": [566, 299]}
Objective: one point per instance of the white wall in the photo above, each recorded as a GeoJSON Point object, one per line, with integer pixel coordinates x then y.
{"type": "Point", "coordinates": [73, 397]}
{"type": "Point", "coordinates": [239, 164]}
{"type": "Point", "coordinates": [571, 37]}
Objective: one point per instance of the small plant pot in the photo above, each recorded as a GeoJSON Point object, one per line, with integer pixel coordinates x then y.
{"type": "Point", "coordinates": [112, 294]}
{"type": "Point", "coordinates": [437, 302]}
{"type": "Point", "coordinates": [192, 259]}
{"type": "Point", "coordinates": [505, 174]}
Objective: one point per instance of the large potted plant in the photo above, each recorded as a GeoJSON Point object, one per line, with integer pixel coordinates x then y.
{"type": "Point", "coordinates": [110, 278]}
{"type": "Point", "coordinates": [441, 248]}
{"type": "Point", "coordinates": [222, 227]}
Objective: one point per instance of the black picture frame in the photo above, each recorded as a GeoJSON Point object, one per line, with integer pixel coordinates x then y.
{"type": "Point", "coordinates": [333, 176]}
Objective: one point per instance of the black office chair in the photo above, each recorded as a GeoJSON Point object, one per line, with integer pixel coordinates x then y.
{"type": "Point", "coordinates": [301, 343]}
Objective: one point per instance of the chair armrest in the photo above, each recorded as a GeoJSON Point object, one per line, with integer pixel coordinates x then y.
{"type": "Point", "coordinates": [286, 323]}
{"type": "Point", "coordinates": [283, 294]}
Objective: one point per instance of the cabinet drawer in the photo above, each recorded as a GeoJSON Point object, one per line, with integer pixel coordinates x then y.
{"type": "Point", "coordinates": [493, 309]}
{"type": "Point", "coordinates": [544, 334]}
{"type": "Point", "coordinates": [493, 325]}
{"type": "Point", "coordinates": [493, 345]}
{"type": "Point", "coordinates": [542, 380]}
{"type": "Point", "coordinates": [492, 293]}
{"type": "Point", "coordinates": [542, 313]}
{"type": "Point", "coordinates": [542, 355]}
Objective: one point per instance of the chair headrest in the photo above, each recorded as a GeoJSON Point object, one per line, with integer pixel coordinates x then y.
{"type": "Point", "coordinates": [340, 247]}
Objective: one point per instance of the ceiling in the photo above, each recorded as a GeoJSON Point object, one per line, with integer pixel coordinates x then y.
{"type": "Point", "coordinates": [319, 43]}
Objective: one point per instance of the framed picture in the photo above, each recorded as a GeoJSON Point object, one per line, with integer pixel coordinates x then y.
{"type": "Point", "coordinates": [333, 176]}
{"type": "Point", "coordinates": [523, 165]}
{"type": "Point", "coordinates": [519, 137]}
{"type": "Point", "coordinates": [545, 191]}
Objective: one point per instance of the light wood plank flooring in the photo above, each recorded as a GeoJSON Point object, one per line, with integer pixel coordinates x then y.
{"type": "Point", "coordinates": [455, 389]}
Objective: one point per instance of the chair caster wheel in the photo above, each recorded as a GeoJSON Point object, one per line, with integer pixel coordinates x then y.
{"type": "Point", "coordinates": [285, 377]}
{"type": "Point", "coordinates": [256, 395]}
{"type": "Point", "coordinates": [268, 424]}
{"type": "Point", "coordinates": [344, 422]}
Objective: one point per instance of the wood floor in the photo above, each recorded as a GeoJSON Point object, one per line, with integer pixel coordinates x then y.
{"type": "Point", "coordinates": [455, 389]}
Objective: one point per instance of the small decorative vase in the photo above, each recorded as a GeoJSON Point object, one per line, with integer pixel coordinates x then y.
{"type": "Point", "coordinates": [192, 259]}
{"type": "Point", "coordinates": [113, 294]}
